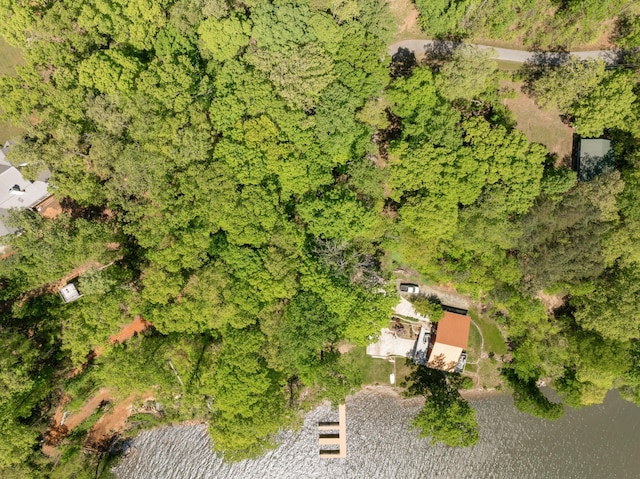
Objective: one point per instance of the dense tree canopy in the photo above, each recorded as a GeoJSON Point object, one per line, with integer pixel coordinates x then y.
{"type": "Point", "coordinates": [445, 417]}
{"type": "Point", "coordinates": [246, 176]}
{"type": "Point", "coordinates": [541, 23]}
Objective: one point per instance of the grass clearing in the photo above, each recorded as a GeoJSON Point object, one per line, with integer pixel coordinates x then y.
{"type": "Point", "coordinates": [540, 126]}
{"type": "Point", "coordinates": [374, 371]}
{"type": "Point", "coordinates": [8, 131]}
{"type": "Point", "coordinates": [403, 369]}
{"type": "Point", "coordinates": [471, 368]}
{"type": "Point", "coordinates": [474, 345]}
{"type": "Point", "coordinates": [489, 373]}
{"type": "Point", "coordinates": [406, 16]}
{"type": "Point", "coordinates": [509, 66]}
{"type": "Point", "coordinates": [493, 340]}
{"type": "Point", "coordinates": [10, 57]}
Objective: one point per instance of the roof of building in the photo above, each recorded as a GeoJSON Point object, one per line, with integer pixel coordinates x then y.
{"type": "Point", "coordinates": [596, 157]}
{"type": "Point", "coordinates": [453, 330]}
{"type": "Point", "coordinates": [69, 293]}
{"type": "Point", "coordinates": [16, 191]}
{"type": "Point", "coordinates": [594, 146]}
{"type": "Point", "coordinates": [444, 357]}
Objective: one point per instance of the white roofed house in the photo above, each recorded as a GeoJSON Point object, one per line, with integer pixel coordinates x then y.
{"type": "Point", "coordinates": [18, 192]}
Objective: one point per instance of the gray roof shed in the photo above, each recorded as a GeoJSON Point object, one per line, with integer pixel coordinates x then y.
{"type": "Point", "coordinates": [595, 158]}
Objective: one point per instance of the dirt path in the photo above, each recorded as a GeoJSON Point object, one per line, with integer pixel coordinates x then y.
{"type": "Point", "coordinates": [114, 421]}
{"type": "Point", "coordinates": [477, 361]}
{"type": "Point", "coordinates": [447, 294]}
{"type": "Point", "coordinates": [138, 325]}
{"type": "Point", "coordinates": [111, 422]}
{"type": "Point", "coordinates": [406, 15]}
{"type": "Point", "coordinates": [63, 424]}
{"type": "Point", "coordinates": [55, 286]}
{"type": "Point", "coordinates": [87, 409]}
{"type": "Point", "coordinates": [551, 301]}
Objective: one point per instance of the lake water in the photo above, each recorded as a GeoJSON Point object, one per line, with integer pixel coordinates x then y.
{"type": "Point", "coordinates": [597, 442]}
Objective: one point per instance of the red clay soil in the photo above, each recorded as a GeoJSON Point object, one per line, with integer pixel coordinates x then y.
{"type": "Point", "coordinates": [88, 408]}
{"type": "Point", "coordinates": [113, 421]}
{"type": "Point", "coordinates": [6, 255]}
{"type": "Point", "coordinates": [50, 208]}
{"type": "Point", "coordinates": [138, 325]}
{"type": "Point", "coordinates": [57, 431]}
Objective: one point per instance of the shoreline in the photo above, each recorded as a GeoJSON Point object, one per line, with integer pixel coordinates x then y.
{"type": "Point", "coordinates": [396, 391]}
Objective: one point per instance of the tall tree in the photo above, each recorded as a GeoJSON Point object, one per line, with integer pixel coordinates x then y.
{"type": "Point", "coordinates": [445, 417]}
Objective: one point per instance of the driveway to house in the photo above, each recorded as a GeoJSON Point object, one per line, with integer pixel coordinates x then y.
{"type": "Point", "coordinates": [420, 47]}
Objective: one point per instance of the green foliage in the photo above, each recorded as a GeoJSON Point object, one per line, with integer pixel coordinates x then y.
{"type": "Point", "coordinates": [528, 398]}
{"type": "Point", "coordinates": [557, 181]}
{"type": "Point", "coordinates": [223, 38]}
{"type": "Point", "coordinates": [565, 84]}
{"type": "Point", "coordinates": [17, 443]}
{"type": "Point", "coordinates": [337, 214]}
{"type": "Point", "coordinates": [453, 424]}
{"type": "Point", "coordinates": [48, 249]}
{"type": "Point", "coordinates": [469, 74]}
{"type": "Point", "coordinates": [299, 76]}
{"type": "Point", "coordinates": [25, 378]}
{"type": "Point", "coordinates": [442, 17]}
{"type": "Point", "coordinates": [610, 105]}
{"type": "Point", "coordinates": [429, 306]}
{"type": "Point", "coordinates": [627, 33]}
{"type": "Point", "coordinates": [248, 407]}
{"type": "Point", "coordinates": [621, 244]}
{"type": "Point", "coordinates": [597, 100]}
{"type": "Point", "coordinates": [98, 282]}
{"type": "Point", "coordinates": [562, 242]}
{"type": "Point", "coordinates": [611, 309]}
{"type": "Point", "coordinates": [95, 319]}
{"type": "Point", "coordinates": [539, 23]}
{"type": "Point", "coordinates": [245, 165]}
{"type": "Point", "coordinates": [466, 383]}
{"type": "Point", "coordinates": [445, 417]}
{"type": "Point", "coordinates": [598, 365]}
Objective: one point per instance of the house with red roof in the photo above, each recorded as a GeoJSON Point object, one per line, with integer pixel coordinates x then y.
{"type": "Point", "coordinates": [448, 341]}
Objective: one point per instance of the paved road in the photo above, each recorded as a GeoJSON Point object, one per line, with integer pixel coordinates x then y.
{"type": "Point", "coordinates": [520, 56]}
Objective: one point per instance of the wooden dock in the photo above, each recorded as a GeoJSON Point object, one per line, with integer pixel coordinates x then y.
{"type": "Point", "coordinates": [334, 434]}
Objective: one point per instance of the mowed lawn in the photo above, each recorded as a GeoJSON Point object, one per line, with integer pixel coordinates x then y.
{"type": "Point", "coordinates": [374, 371]}
{"type": "Point", "coordinates": [493, 340]}
{"type": "Point", "coordinates": [540, 126]}
{"type": "Point", "coordinates": [10, 57]}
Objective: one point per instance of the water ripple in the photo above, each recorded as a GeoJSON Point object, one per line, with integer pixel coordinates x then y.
{"type": "Point", "coordinates": [598, 442]}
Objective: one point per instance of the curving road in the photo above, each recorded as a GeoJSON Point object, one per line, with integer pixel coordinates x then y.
{"type": "Point", "coordinates": [419, 47]}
